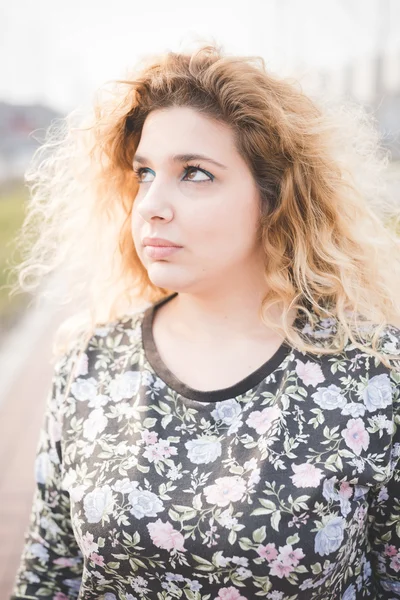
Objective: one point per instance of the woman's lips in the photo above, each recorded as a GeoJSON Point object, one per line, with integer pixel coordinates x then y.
{"type": "Point", "coordinates": [161, 251]}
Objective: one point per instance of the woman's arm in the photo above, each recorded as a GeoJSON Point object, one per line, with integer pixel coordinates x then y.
{"type": "Point", "coordinates": [384, 534]}
{"type": "Point", "coordinates": [51, 561]}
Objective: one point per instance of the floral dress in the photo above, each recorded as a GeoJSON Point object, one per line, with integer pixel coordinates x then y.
{"type": "Point", "coordinates": [283, 486]}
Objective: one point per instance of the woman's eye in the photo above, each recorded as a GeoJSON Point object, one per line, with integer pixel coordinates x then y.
{"type": "Point", "coordinates": [204, 175]}
{"type": "Point", "coordinates": [199, 171]}
{"type": "Point", "coordinates": [139, 173]}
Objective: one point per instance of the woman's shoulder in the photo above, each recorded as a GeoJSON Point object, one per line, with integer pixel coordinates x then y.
{"type": "Point", "coordinates": [84, 342]}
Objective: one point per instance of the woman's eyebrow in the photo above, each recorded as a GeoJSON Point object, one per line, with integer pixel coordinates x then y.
{"type": "Point", "coordinates": [180, 158]}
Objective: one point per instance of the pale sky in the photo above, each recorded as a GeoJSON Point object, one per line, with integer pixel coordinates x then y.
{"type": "Point", "coordinates": [58, 52]}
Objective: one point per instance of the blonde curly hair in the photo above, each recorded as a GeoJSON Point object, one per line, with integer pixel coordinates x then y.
{"type": "Point", "coordinates": [325, 217]}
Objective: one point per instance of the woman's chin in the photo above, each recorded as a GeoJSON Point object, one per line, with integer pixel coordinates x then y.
{"type": "Point", "coordinates": [162, 276]}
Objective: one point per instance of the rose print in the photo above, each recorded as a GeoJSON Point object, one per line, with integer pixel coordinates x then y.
{"type": "Point", "coordinates": [330, 537]}
{"type": "Point", "coordinates": [329, 397]}
{"type": "Point", "coordinates": [310, 373]}
{"type": "Point", "coordinates": [203, 450]}
{"type": "Point", "coordinates": [98, 503]}
{"type": "Point", "coordinates": [378, 393]}
{"type": "Point", "coordinates": [306, 475]}
{"type": "Point", "coordinates": [84, 389]}
{"type": "Point", "coordinates": [353, 409]}
{"type": "Point", "coordinates": [225, 490]}
{"type": "Point", "coordinates": [230, 593]}
{"type": "Point", "coordinates": [144, 504]}
{"type": "Point", "coordinates": [227, 411]}
{"type": "Point", "coordinates": [263, 420]}
{"type": "Point", "coordinates": [125, 385]}
{"type": "Point", "coordinates": [95, 424]}
{"type": "Point", "coordinates": [356, 436]}
{"type": "Point", "coordinates": [163, 535]}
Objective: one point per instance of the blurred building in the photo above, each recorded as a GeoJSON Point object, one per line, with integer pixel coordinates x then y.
{"type": "Point", "coordinates": [22, 129]}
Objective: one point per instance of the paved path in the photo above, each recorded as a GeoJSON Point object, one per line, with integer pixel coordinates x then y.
{"type": "Point", "coordinates": [26, 373]}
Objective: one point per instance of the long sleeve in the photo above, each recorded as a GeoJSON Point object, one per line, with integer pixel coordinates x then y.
{"type": "Point", "coordinates": [51, 561]}
{"type": "Point", "coordinates": [384, 532]}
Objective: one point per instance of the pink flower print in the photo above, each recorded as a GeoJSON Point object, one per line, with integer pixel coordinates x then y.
{"type": "Point", "coordinates": [97, 559]}
{"type": "Point", "coordinates": [345, 490]}
{"type": "Point", "coordinates": [149, 437]}
{"type": "Point", "coordinates": [306, 475]}
{"type": "Point", "coordinates": [60, 596]}
{"type": "Point", "coordinates": [390, 550]}
{"type": "Point", "coordinates": [262, 420]}
{"type": "Point", "coordinates": [288, 556]}
{"type": "Point", "coordinates": [280, 569]}
{"type": "Point", "coordinates": [356, 436]}
{"type": "Point", "coordinates": [229, 593]}
{"type": "Point", "coordinates": [88, 544]}
{"type": "Point", "coordinates": [153, 453]}
{"type": "Point", "coordinates": [310, 373]}
{"type": "Point", "coordinates": [163, 535]}
{"type": "Point", "coordinates": [395, 563]}
{"type": "Point", "coordinates": [225, 490]}
{"type": "Point", "coordinates": [165, 449]}
{"type": "Point", "coordinates": [65, 562]}
{"type": "Point", "coordinates": [269, 552]}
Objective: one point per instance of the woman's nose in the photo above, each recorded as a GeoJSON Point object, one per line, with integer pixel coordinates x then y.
{"type": "Point", "coordinates": [154, 203]}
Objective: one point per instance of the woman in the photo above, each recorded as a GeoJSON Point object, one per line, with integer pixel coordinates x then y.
{"type": "Point", "coordinates": [236, 437]}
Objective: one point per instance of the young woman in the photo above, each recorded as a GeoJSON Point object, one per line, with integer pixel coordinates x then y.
{"type": "Point", "coordinates": [235, 435]}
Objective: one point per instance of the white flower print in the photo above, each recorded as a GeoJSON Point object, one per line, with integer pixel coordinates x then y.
{"type": "Point", "coordinates": [353, 409]}
{"type": "Point", "coordinates": [126, 385]}
{"type": "Point", "coordinates": [203, 450]}
{"type": "Point", "coordinates": [378, 393]}
{"type": "Point", "coordinates": [98, 401]}
{"type": "Point", "coordinates": [329, 397]}
{"type": "Point", "coordinates": [144, 504]}
{"type": "Point", "coordinates": [98, 503]}
{"type": "Point", "coordinates": [330, 537]}
{"type": "Point", "coordinates": [228, 412]}
{"type": "Point", "coordinates": [225, 490]}
{"type": "Point", "coordinates": [95, 424]}
{"type": "Point", "coordinates": [124, 486]}
{"type": "Point", "coordinates": [84, 389]}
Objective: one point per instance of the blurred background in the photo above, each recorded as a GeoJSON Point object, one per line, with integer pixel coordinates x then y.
{"type": "Point", "coordinates": [55, 55]}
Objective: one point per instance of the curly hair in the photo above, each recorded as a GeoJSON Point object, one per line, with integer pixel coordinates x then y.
{"type": "Point", "coordinates": [326, 221]}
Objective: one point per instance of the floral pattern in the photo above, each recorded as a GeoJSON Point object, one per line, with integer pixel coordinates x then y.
{"type": "Point", "coordinates": [289, 491]}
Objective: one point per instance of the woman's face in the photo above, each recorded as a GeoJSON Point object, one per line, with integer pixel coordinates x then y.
{"type": "Point", "coordinates": [211, 211]}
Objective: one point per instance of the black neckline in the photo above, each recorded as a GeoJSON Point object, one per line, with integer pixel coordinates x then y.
{"type": "Point", "coordinates": [162, 371]}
